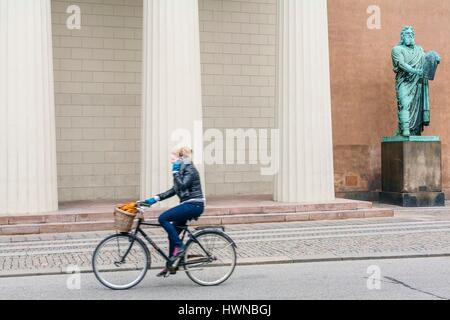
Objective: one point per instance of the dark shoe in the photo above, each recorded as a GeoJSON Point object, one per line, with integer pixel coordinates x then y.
{"type": "Point", "coordinates": [163, 273]}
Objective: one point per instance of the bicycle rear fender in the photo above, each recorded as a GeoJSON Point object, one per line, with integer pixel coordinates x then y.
{"type": "Point", "coordinates": [210, 228]}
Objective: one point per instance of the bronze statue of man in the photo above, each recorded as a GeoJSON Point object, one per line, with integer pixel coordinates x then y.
{"type": "Point", "coordinates": [413, 68]}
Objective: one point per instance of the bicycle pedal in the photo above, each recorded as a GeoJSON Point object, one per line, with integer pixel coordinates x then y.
{"type": "Point", "coordinates": [173, 271]}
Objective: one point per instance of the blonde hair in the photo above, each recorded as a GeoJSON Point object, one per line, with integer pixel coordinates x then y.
{"type": "Point", "coordinates": [183, 152]}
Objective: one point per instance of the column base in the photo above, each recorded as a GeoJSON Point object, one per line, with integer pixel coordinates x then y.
{"type": "Point", "coordinates": [412, 200]}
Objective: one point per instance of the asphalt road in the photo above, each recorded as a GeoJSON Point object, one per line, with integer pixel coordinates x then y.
{"type": "Point", "coordinates": [427, 278]}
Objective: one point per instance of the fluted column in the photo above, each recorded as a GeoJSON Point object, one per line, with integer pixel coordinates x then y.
{"type": "Point", "coordinates": [304, 103]}
{"type": "Point", "coordinates": [172, 89]}
{"type": "Point", "coordinates": [27, 132]}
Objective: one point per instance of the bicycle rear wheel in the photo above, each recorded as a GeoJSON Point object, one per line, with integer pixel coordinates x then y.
{"type": "Point", "coordinates": [211, 259]}
{"type": "Point", "coordinates": [121, 261]}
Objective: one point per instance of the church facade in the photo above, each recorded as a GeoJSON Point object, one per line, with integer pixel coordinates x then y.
{"type": "Point", "coordinates": [282, 97]}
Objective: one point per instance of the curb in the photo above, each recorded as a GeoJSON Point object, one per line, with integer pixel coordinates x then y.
{"type": "Point", "coordinates": [249, 262]}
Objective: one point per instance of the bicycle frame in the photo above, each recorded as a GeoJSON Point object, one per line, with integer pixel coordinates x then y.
{"type": "Point", "coordinates": [185, 231]}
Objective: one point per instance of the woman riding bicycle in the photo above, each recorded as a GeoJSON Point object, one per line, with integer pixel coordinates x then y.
{"type": "Point", "coordinates": [187, 187]}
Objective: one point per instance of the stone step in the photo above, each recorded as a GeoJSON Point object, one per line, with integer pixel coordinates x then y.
{"type": "Point", "coordinates": [108, 224]}
{"type": "Point", "coordinates": [102, 214]}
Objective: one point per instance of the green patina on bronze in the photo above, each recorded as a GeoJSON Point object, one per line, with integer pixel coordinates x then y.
{"type": "Point", "coordinates": [414, 69]}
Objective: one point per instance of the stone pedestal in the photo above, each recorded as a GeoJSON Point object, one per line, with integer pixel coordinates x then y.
{"type": "Point", "coordinates": [412, 172]}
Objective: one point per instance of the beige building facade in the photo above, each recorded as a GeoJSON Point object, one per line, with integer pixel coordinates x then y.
{"type": "Point", "coordinates": [98, 89]}
{"type": "Point", "coordinates": [126, 73]}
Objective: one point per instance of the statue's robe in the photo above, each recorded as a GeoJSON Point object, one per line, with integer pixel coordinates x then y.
{"type": "Point", "coordinates": [412, 90]}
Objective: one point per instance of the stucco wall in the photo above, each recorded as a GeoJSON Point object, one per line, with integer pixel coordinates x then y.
{"type": "Point", "coordinates": [363, 94]}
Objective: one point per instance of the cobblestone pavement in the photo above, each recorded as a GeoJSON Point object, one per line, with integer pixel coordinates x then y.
{"type": "Point", "coordinates": [425, 233]}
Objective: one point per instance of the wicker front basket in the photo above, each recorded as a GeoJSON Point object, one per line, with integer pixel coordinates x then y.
{"type": "Point", "coordinates": [123, 221]}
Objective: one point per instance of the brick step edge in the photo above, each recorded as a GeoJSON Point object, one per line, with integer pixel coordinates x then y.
{"type": "Point", "coordinates": [210, 212]}
{"type": "Point", "coordinates": [27, 229]}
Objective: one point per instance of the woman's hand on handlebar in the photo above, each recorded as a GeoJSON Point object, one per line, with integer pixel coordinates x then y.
{"type": "Point", "coordinates": [147, 203]}
{"type": "Point", "coordinates": [141, 204]}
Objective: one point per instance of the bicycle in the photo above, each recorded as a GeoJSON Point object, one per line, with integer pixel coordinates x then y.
{"type": "Point", "coordinates": [127, 252]}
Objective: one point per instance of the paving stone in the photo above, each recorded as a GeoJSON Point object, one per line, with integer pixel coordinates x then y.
{"type": "Point", "coordinates": [61, 218]}
{"type": "Point", "coordinates": [326, 207]}
{"type": "Point", "coordinates": [92, 226]}
{"type": "Point", "coordinates": [54, 228]}
{"type": "Point", "coordinates": [5, 239]}
{"type": "Point", "coordinates": [94, 217]}
{"type": "Point", "coordinates": [19, 239]}
{"type": "Point", "coordinates": [298, 216]}
{"type": "Point", "coordinates": [216, 211]}
{"type": "Point", "coordinates": [19, 230]}
{"type": "Point", "coordinates": [356, 214]}
{"type": "Point", "coordinates": [378, 214]}
{"type": "Point", "coordinates": [33, 238]}
{"type": "Point", "coordinates": [324, 216]}
{"type": "Point", "coordinates": [4, 220]}
{"type": "Point", "coordinates": [254, 218]}
{"type": "Point", "coordinates": [205, 220]}
{"type": "Point", "coordinates": [34, 219]}
{"type": "Point", "coordinates": [245, 210]}
{"type": "Point", "coordinates": [279, 208]}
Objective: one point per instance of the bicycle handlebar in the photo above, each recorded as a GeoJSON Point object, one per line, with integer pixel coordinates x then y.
{"type": "Point", "coordinates": [143, 204]}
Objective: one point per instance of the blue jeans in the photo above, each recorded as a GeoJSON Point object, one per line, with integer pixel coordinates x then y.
{"type": "Point", "coordinates": [174, 219]}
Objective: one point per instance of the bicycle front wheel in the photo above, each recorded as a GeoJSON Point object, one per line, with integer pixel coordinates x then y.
{"type": "Point", "coordinates": [121, 261]}
{"type": "Point", "coordinates": [210, 258]}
